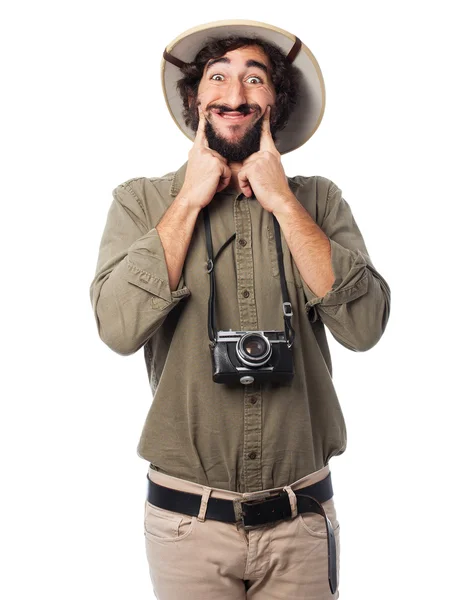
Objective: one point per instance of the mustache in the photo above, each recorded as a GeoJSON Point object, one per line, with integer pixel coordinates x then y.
{"type": "Point", "coordinates": [244, 109]}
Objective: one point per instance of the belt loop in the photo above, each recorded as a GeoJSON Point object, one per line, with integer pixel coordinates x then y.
{"type": "Point", "coordinates": [204, 500]}
{"type": "Point", "coordinates": [292, 500]}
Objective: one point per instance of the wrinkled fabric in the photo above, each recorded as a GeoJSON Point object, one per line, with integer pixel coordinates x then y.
{"type": "Point", "coordinates": [239, 438]}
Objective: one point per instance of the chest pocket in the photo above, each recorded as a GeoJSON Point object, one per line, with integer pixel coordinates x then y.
{"type": "Point", "coordinates": [290, 268]}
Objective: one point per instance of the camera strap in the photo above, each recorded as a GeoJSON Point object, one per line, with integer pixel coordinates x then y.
{"type": "Point", "coordinates": [286, 305]}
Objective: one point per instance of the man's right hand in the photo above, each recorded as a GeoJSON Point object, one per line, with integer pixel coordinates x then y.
{"type": "Point", "coordinates": [207, 171]}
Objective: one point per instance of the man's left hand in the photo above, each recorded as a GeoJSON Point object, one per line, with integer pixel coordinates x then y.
{"type": "Point", "coordinates": [263, 173]}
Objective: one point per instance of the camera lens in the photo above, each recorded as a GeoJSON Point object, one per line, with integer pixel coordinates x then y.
{"type": "Point", "coordinates": [254, 346]}
{"type": "Point", "coordinates": [254, 349]}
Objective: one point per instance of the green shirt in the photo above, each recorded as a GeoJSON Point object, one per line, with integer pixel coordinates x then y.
{"type": "Point", "coordinates": [248, 437]}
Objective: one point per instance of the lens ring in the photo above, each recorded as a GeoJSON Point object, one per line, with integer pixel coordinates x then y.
{"type": "Point", "coordinates": [250, 359]}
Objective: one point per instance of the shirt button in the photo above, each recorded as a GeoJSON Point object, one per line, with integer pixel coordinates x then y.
{"type": "Point", "coordinates": [242, 242]}
{"type": "Point", "coordinates": [253, 400]}
{"type": "Point", "coordinates": [246, 293]}
{"type": "Point", "coordinates": [252, 455]}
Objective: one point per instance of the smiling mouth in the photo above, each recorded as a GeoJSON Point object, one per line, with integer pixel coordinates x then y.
{"type": "Point", "coordinates": [233, 115]}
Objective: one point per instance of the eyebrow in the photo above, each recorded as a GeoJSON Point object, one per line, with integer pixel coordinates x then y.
{"type": "Point", "coordinates": [249, 63]}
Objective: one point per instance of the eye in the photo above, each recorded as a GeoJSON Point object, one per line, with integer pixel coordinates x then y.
{"type": "Point", "coordinates": [217, 75]}
{"type": "Point", "coordinates": [255, 77]}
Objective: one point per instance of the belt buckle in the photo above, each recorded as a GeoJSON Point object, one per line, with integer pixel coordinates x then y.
{"type": "Point", "coordinates": [258, 498]}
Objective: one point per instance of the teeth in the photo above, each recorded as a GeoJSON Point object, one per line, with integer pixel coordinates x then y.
{"type": "Point", "coordinates": [232, 114]}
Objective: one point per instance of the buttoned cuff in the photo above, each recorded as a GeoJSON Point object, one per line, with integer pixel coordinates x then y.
{"type": "Point", "coordinates": [145, 266]}
{"type": "Point", "coordinates": [351, 280]}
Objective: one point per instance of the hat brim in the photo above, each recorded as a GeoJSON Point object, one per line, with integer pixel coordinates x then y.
{"type": "Point", "coordinates": [308, 112]}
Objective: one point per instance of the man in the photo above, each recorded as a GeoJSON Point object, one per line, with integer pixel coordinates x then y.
{"type": "Point", "coordinates": [240, 501]}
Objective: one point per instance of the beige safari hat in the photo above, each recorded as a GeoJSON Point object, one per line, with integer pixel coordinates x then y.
{"type": "Point", "coordinates": [308, 112]}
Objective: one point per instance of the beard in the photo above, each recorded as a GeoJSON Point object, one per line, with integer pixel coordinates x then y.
{"type": "Point", "coordinates": [233, 151]}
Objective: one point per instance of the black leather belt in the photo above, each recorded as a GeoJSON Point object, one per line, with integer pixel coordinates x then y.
{"type": "Point", "coordinates": [264, 508]}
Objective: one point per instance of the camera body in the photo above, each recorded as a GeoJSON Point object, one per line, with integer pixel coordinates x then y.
{"type": "Point", "coordinates": [251, 357]}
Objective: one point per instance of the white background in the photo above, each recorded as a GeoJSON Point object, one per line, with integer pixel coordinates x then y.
{"type": "Point", "coordinates": [82, 111]}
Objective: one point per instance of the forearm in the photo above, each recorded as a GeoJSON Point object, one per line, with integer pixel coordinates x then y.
{"type": "Point", "coordinates": [309, 246]}
{"type": "Point", "coordinates": [175, 229]}
{"type": "Point", "coordinates": [356, 310]}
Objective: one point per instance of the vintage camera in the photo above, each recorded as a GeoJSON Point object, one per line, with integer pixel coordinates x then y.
{"type": "Point", "coordinates": [251, 356]}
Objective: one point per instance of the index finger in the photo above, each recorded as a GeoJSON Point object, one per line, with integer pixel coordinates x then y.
{"type": "Point", "coordinates": [201, 129]}
{"type": "Point", "coordinates": [267, 142]}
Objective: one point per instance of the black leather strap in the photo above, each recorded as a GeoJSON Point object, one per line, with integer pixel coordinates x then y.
{"type": "Point", "coordinates": [211, 325]}
{"type": "Point", "coordinates": [330, 536]}
{"type": "Point", "coordinates": [286, 305]}
{"type": "Point", "coordinates": [255, 512]}
{"type": "Point", "coordinates": [264, 511]}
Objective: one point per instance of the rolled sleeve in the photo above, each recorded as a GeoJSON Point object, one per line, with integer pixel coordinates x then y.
{"type": "Point", "coordinates": [145, 266]}
{"type": "Point", "coordinates": [357, 307]}
{"type": "Point", "coordinates": [351, 280]}
{"type": "Point", "coordinates": [130, 292]}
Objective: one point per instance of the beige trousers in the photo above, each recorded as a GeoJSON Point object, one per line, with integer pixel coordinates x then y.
{"type": "Point", "coordinates": [203, 559]}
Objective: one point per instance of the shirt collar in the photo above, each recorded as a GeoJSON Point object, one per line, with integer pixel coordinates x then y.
{"type": "Point", "coordinates": [178, 180]}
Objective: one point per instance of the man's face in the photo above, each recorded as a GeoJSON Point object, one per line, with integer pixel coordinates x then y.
{"type": "Point", "coordinates": [234, 93]}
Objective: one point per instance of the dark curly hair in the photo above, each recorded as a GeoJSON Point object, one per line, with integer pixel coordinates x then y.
{"type": "Point", "coordinates": [284, 75]}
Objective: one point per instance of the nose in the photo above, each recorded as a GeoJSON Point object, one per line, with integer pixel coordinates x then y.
{"type": "Point", "coordinates": [235, 93]}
